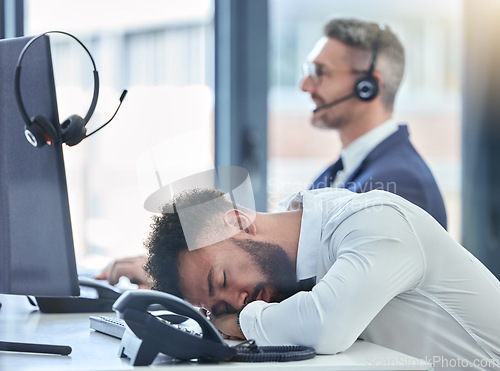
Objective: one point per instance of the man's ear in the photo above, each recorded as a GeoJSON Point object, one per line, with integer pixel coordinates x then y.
{"type": "Point", "coordinates": [238, 219]}
{"type": "Point", "coordinates": [379, 78]}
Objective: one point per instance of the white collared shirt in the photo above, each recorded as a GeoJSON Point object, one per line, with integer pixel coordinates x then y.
{"type": "Point", "coordinates": [354, 154]}
{"type": "Point", "coordinates": [387, 273]}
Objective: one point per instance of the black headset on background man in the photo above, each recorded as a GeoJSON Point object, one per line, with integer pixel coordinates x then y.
{"type": "Point", "coordinates": [365, 88]}
{"type": "Point", "coordinates": [39, 130]}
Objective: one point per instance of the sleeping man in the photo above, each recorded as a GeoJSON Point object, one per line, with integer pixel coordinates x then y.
{"type": "Point", "coordinates": [378, 267]}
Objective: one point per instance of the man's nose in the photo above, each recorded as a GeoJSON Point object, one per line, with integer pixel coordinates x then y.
{"type": "Point", "coordinates": [237, 299]}
{"type": "Point", "coordinates": [307, 84]}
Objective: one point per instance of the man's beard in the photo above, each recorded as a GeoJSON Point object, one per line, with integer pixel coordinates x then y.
{"type": "Point", "coordinates": [327, 119]}
{"type": "Point", "coordinates": [323, 121]}
{"type": "Point", "coordinates": [275, 265]}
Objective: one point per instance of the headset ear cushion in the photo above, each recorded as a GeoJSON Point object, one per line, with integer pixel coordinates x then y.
{"type": "Point", "coordinates": [42, 131]}
{"type": "Point", "coordinates": [366, 88]}
{"type": "Point", "coordinates": [73, 130]}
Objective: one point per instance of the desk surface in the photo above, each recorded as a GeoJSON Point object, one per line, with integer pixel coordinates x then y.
{"type": "Point", "coordinates": [20, 322]}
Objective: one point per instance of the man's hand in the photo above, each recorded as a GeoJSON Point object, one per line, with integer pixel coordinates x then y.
{"type": "Point", "coordinates": [132, 268]}
{"type": "Point", "coordinates": [228, 326]}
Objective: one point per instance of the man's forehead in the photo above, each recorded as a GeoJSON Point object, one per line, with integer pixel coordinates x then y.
{"type": "Point", "coordinates": [193, 270]}
{"type": "Point", "coordinates": [194, 265]}
{"type": "Point", "coordinates": [195, 260]}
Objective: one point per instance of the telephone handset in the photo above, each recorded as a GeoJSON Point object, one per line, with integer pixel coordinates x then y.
{"type": "Point", "coordinates": [147, 335]}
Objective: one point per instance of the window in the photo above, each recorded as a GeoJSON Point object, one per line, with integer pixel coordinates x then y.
{"type": "Point", "coordinates": [160, 51]}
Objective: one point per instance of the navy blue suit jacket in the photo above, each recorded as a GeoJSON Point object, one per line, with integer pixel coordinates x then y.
{"type": "Point", "coordinates": [394, 166]}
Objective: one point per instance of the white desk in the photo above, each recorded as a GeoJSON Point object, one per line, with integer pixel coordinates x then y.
{"type": "Point", "coordinates": [20, 322]}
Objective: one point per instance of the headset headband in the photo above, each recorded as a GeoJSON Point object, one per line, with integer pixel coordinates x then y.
{"type": "Point", "coordinates": [17, 78]}
{"type": "Point", "coordinates": [376, 48]}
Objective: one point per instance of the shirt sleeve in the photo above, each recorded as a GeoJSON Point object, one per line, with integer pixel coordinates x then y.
{"type": "Point", "coordinates": [370, 257]}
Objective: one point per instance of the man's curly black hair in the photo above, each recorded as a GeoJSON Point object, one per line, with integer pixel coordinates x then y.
{"type": "Point", "coordinates": [166, 238]}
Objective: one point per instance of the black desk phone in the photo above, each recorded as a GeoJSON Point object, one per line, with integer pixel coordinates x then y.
{"type": "Point", "coordinates": [147, 335]}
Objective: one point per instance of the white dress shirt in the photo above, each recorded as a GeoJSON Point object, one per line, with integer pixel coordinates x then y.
{"type": "Point", "coordinates": [387, 273]}
{"type": "Point", "coordinates": [353, 155]}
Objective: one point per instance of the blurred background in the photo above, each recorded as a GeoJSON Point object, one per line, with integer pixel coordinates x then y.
{"type": "Point", "coordinates": [189, 64]}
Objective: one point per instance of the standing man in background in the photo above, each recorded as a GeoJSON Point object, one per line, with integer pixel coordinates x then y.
{"type": "Point", "coordinates": [353, 74]}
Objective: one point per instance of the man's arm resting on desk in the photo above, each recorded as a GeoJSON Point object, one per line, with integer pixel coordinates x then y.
{"type": "Point", "coordinates": [374, 257]}
{"type": "Point", "coordinates": [132, 268]}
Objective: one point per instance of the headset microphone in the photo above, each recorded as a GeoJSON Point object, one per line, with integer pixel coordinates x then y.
{"type": "Point", "coordinates": [122, 97]}
{"type": "Point", "coordinates": [328, 105]}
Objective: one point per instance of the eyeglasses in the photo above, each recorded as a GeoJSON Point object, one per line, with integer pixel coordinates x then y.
{"type": "Point", "coordinates": [316, 71]}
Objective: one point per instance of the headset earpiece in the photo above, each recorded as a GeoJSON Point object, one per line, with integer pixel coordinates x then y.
{"type": "Point", "coordinates": [366, 88]}
{"type": "Point", "coordinates": [73, 130]}
{"type": "Point", "coordinates": [40, 132]}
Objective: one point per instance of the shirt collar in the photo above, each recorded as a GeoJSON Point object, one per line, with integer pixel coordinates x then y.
{"type": "Point", "coordinates": [310, 231]}
{"type": "Point", "coordinates": [356, 152]}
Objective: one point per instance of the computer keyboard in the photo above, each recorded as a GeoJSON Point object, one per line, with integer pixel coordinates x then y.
{"type": "Point", "coordinates": [114, 326]}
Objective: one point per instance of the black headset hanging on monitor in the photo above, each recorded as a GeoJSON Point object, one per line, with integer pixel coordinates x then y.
{"type": "Point", "coordinates": [39, 130]}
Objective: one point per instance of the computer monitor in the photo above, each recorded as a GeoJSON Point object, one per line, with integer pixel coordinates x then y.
{"type": "Point", "coordinates": [36, 242]}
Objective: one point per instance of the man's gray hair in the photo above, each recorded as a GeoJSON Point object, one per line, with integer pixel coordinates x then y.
{"type": "Point", "coordinates": [363, 36]}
